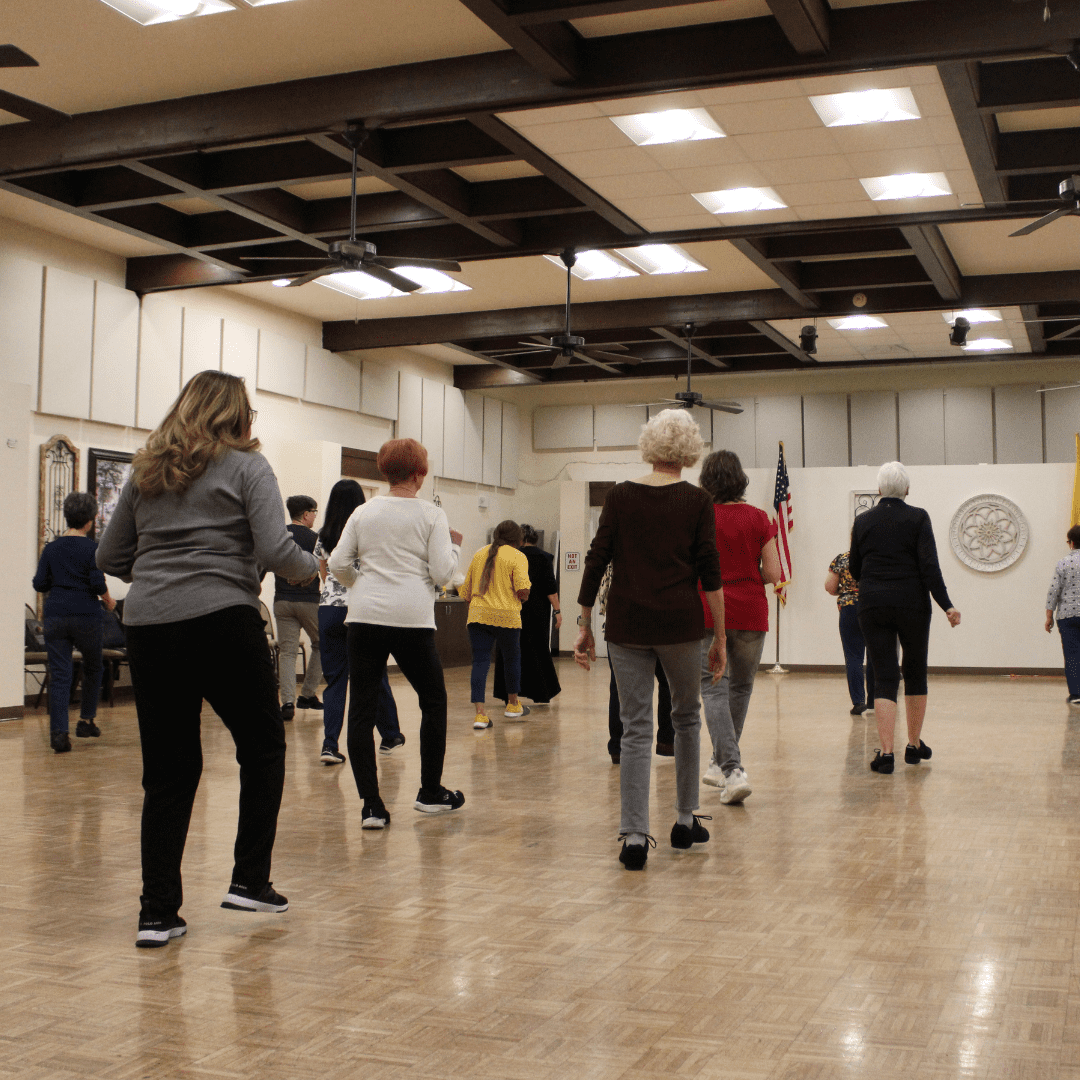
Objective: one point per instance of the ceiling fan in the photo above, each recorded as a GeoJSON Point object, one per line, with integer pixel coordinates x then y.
{"type": "Point", "coordinates": [353, 254]}
{"type": "Point", "coordinates": [12, 56]}
{"type": "Point", "coordinates": [688, 398]}
{"type": "Point", "coordinates": [567, 345]}
{"type": "Point", "coordinates": [1068, 190]}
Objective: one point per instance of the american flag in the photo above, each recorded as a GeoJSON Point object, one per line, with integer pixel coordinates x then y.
{"type": "Point", "coordinates": [784, 524]}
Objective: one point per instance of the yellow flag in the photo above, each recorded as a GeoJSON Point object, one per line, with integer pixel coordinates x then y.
{"type": "Point", "coordinates": [1075, 518]}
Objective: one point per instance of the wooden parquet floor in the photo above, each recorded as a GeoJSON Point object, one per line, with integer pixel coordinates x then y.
{"type": "Point", "coordinates": [839, 925]}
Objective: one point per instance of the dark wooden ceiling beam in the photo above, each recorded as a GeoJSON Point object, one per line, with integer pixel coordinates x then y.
{"type": "Point", "coordinates": [934, 256]}
{"type": "Point", "coordinates": [696, 350]}
{"type": "Point", "coordinates": [1056, 149]}
{"type": "Point", "coordinates": [551, 48]}
{"type": "Point", "coordinates": [1036, 337]}
{"type": "Point", "coordinates": [805, 24]}
{"type": "Point", "coordinates": [785, 343]}
{"type": "Point", "coordinates": [784, 276]}
{"type": "Point", "coordinates": [821, 247]}
{"type": "Point", "coordinates": [860, 274]}
{"type": "Point", "coordinates": [978, 131]}
{"type": "Point", "coordinates": [535, 12]}
{"type": "Point", "coordinates": [179, 271]}
{"type": "Point", "coordinates": [486, 377]}
{"type": "Point", "coordinates": [437, 146]}
{"type": "Point", "coordinates": [1044, 83]}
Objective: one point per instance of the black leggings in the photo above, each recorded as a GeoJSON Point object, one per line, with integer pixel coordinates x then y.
{"type": "Point", "coordinates": [881, 627]}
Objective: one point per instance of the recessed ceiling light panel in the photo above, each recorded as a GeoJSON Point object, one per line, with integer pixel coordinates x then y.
{"type": "Point", "coordinates": [361, 286]}
{"type": "Point", "coordinates": [670, 126]}
{"type": "Point", "coordinates": [741, 200]}
{"type": "Point", "coordinates": [153, 12]}
{"type": "Point", "coordinates": [858, 322]}
{"type": "Point", "coordinates": [595, 266]}
{"type": "Point", "coordinates": [661, 259]}
{"type": "Point", "coordinates": [866, 107]}
{"type": "Point", "coordinates": [973, 315]}
{"type": "Point", "coordinates": [281, 282]}
{"type": "Point", "coordinates": [988, 344]}
{"type": "Point", "coordinates": [906, 186]}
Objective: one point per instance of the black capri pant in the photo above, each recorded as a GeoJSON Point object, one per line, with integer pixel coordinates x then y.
{"type": "Point", "coordinates": [882, 627]}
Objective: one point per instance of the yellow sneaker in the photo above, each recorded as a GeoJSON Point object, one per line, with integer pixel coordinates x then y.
{"type": "Point", "coordinates": [517, 712]}
{"type": "Point", "coordinates": [482, 722]}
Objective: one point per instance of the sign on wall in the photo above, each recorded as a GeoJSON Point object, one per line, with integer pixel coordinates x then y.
{"type": "Point", "coordinates": [572, 564]}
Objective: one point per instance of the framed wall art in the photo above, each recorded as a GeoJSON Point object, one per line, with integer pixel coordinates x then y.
{"type": "Point", "coordinates": [106, 473]}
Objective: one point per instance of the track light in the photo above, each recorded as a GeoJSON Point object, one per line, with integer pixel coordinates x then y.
{"type": "Point", "coordinates": [808, 340]}
{"type": "Point", "coordinates": [960, 330]}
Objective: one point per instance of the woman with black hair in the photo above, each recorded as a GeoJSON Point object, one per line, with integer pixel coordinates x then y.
{"type": "Point", "coordinates": [495, 585]}
{"type": "Point", "coordinates": [345, 497]}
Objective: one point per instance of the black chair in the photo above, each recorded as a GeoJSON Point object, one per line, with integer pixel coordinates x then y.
{"type": "Point", "coordinates": [113, 649]}
{"type": "Point", "coordinates": [35, 655]}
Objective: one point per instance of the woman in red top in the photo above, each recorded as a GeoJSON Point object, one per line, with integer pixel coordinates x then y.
{"type": "Point", "coordinates": [748, 558]}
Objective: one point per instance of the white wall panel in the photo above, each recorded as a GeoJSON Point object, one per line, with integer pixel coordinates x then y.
{"type": "Point", "coordinates": [1018, 425]}
{"type": "Point", "coordinates": [779, 419]}
{"type": "Point", "coordinates": [240, 351]}
{"type": "Point", "coordinates": [332, 380]}
{"type": "Point", "coordinates": [825, 430]}
{"type": "Point", "coordinates": [159, 358]}
{"type": "Point", "coordinates": [736, 432]}
{"type": "Point", "coordinates": [511, 438]}
{"type": "Point", "coordinates": [922, 427]}
{"type": "Point", "coordinates": [1062, 422]}
{"type": "Point", "coordinates": [379, 391]}
{"type": "Point", "coordinates": [431, 425]}
{"type": "Point", "coordinates": [201, 349]}
{"type": "Point", "coordinates": [492, 441]}
{"type": "Point", "coordinates": [618, 425]}
{"type": "Point", "coordinates": [410, 406]}
{"type": "Point", "coordinates": [873, 427]}
{"type": "Point", "coordinates": [20, 322]}
{"type": "Point", "coordinates": [454, 433]}
{"type": "Point", "coordinates": [281, 364]}
{"type": "Point", "coordinates": [67, 342]}
{"type": "Point", "coordinates": [473, 450]}
{"type": "Point", "coordinates": [969, 426]}
{"type": "Point", "coordinates": [562, 427]}
{"type": "Point", "coordinates": [116, 355]}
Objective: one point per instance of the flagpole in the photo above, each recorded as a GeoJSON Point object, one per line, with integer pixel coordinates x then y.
{"type": "Point", "coordinates": [776, 669]}
{"type": "Point", "coordinates": [782, 506]}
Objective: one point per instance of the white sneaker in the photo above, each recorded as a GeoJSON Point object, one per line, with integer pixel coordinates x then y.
{"type": "Point", "coordinates": [736, 787]}
{"type": "Point", "coordinates": [714, 775]}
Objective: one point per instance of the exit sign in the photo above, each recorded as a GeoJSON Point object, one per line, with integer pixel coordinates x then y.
{"type": "Point", "coordinates": [573, 561]}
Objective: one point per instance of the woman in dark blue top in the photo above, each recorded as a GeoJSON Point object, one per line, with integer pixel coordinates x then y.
{"type": "Point", "coordinates": [68, 573]}
{"type": "Point", "coordinates": [894, 560]}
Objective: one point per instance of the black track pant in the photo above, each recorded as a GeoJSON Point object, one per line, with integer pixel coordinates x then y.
{"type": "Point", "coordinates": [882, 627]}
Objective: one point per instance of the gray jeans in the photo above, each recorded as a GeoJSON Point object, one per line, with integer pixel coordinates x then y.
{"type": "Point", "coordinates": [635, 674]}
{"type": "Point", "coordinates": [292, 617]}
{"type": "Point", "coordinates": [726, 702]}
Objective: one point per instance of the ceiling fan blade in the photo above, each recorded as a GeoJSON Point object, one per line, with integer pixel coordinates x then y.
{"type": "Point", "coordinates": [561, 361]}
{"type": "Point", "coordinates": [614, 347]}
{"type": "Point", "coordinates": [1049, 389]}
{"type": "Point", "coordinates": [521, 352]}
{"type": "Point", "coordinates": [646, 405]}
{"type": "Point", "coordinates": [29, 110]}
{"type": "Point", "coordinates": [380, 273]}
{"type": "Point", "coordinates": [311, 275]}
{"type": "Point", "coordinates": [537, 346]}
{"type": "Point", "coordinates": [393, 261]}
{"type": "Point", "coordinates": [627, 358]}
{"type": "Point", "coordinates": [282, 258]}
{"type": "Point", "coordinates": [1044, 220]}
{"type": "Point", "coordinates": [13, 56]}
{"type": "Point", "coordinates": [732, 407]}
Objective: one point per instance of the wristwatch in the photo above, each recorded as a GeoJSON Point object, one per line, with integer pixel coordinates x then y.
{"type": "Point", "coordinates": [586, 623]}
{"type": "Point", "coordinates": [555, 611]}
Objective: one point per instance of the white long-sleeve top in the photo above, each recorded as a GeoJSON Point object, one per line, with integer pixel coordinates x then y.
{"type": "Point", "coordinates": [404, 552]}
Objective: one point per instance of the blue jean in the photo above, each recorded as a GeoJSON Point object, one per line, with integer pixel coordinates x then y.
{"type": "Point", "coordinates": [333, 639]}
{"type": "Point", "coordinates": [483, 637]}
{"type": "Point", "coordinates": [1070, 647]}
{"type": "Point", "coordinates": [61, 633]}
{"type": "Point", "coordinates": [851, 637]}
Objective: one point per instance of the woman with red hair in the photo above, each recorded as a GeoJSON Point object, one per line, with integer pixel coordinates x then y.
{"type": "Point", "coordinates": [404, 549]}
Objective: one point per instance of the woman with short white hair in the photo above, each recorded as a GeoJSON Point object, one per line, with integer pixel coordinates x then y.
{"type": "Point", "coordinates": [659, 534]}
{"type": "Point", "coordinates": [894, 560]}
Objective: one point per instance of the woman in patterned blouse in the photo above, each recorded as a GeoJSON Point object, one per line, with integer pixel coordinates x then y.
{"type": "Point", "coordinates": [841, 584]}
{"type": "Point", "coordinates": [1064, 597]}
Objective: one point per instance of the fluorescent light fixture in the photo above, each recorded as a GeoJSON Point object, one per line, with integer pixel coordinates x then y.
{"type": "Point", "coordinates": [281, 282]}
{"type": "Point", "coordinates": [595, 266]}
{"type": "Point", "coordinates": [865, 107]}
{"type": "Point", "coordinates": [264, 3]}
{"type": "Point", "coordinates": [857, 322]}
{"type": "Point", "coordinates": [153, 12]}
{"type": "Point", "coordinates": [361, 286]}
{"type": "Point", "coordinates": [988, 344]}
{"type": "Point", "coordinates": [661, 259]}
{"type": "Point", "coordinates": [906, 186]}
{"type": "Point", "coordinates": [740, 200]}
{"type": "Point", "coordinates": [973, 315]}
{"type": "Point", "coordinates": [670, 126]}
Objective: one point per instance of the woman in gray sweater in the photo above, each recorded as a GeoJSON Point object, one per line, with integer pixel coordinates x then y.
{"type": "Point", "coordinates": [195, 524]}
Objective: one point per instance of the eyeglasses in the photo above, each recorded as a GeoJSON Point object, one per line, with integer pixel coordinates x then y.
{"type": "Point", "coordinates": [253, 415]}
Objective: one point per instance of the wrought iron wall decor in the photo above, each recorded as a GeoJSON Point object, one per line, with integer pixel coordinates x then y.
{"type": "Point", "coordinates": [59, 478]}
{"type": "Point", "coordinates": [988, 533]}
{"type": "Point", "coordinates": [861, 501]}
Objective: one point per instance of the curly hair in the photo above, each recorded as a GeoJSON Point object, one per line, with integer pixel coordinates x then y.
{"type": "Point", "coordinates": [893, 481]}
{"type": "Point", "coordinates": [723, 478]}
{"type": "Point", "coordinates": [671, 437]}
{"type": "Point", "coordinates": [211, 415]}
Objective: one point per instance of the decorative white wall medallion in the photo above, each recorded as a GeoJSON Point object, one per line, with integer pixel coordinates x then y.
{"type": "Point", "coordinates": [988, 533]}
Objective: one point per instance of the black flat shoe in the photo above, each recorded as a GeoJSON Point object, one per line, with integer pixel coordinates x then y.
{"type": "Point", "coordinates": [682, 836]}
{"type": "Point", "coordinates": [883, 763]}
{"type": "Point", "coordinates": [858, 710]}
{"type": "Point", "coordinates": [914, 754]}
{"type": "Point", "coordinates": [665, 749]}
{"type": "Point", "coordinates": [633, 856]}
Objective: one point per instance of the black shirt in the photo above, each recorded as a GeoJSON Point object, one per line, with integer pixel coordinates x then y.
{"type": "Point", "coordinates": [299, 594]}
{"type": "Point", "coordinates": [68, 573]}
{"type": "Point", "coordinates": [894, 558]}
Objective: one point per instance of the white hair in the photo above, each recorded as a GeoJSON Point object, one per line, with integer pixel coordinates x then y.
{"type": "Point", "coordinates": [892, 480]}
{"type": "Point", "coordinates": [671, 436]}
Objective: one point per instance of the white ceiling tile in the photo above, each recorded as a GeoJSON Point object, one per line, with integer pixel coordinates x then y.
{"type": "Point", "coordinates": [496, 170]}
{"type": "Point", "coordinates": [682, 99]}
{"type": "Point", "coordinates": [932, 99]}
{"type": "Point", "coordinates": [985, 247]}
{"type": "Point", "coordinates": [891, 162]}
{"type": "Point", "coordinates": [822, 191]}
{"type": "Point", "coordinates": [954, 158]}
{"type": "Point", "coordinates": [795, 170]}
{"type": "Point", "coordinates": [780, 114]}
{"type": "Point", "coordinates": [764, 91]}
{"type": "Point", "coordinates": [638, 185]}
{"type": "Point", "coordinates": [944, 130]}
{"type": "Point", "coordinates": [690, 155]}
{"type": "Point", "coordinates": [556, 115]}
{"type": "Point", "coordinates": [592, 163]}
{"type": "Point", "coordinates": [718, 178]}
{"type": "Point", "coordinates": [822, 211]}
{"type": "Point", "coordinates": [864, 138]}
{"type": "Point", "coordinates": [596, 133]}
{"type": "Point", "coordinates": [703, 220]}
{"type": "Point", "coordinates": [660, 206]}
{"type": "Point", "coordinates": [917, 206]}
{"type": "Point", "coordinates": [772, 145]}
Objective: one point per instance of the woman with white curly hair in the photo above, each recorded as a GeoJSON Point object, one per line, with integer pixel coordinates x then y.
{"type": "Point", "coordinates": [658, 533]}
{"type": "Point", "coordinates": [894, 560]}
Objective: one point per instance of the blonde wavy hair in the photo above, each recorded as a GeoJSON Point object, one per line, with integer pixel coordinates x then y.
{"type": "Point", "coordinates": [211, 415]}
{"type": "Point", "coordinates": [672, 437]}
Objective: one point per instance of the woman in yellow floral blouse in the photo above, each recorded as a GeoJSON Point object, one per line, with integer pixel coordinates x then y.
{"type": "Point", "coordinates": [842, 585]}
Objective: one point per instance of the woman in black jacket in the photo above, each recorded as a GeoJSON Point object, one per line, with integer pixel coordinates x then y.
{"type": "Point", "coordinates": [894, 560]}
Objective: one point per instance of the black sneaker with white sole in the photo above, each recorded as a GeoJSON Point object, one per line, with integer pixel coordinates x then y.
{"type": "Point", "coordinates": [87, 729]}
{"type": "Point", "coordinates": [374, 816]}
{"type": "Point", "coordinates": [438, 801]}
{"type": "Point", "coordinates": [241, 898]}
{"type": "Point", "coordinates": [391, 743]}
{"type": "Point", "coordinates": [157, 930]}
{"type": "Point", "coordinates": [331, 755]}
